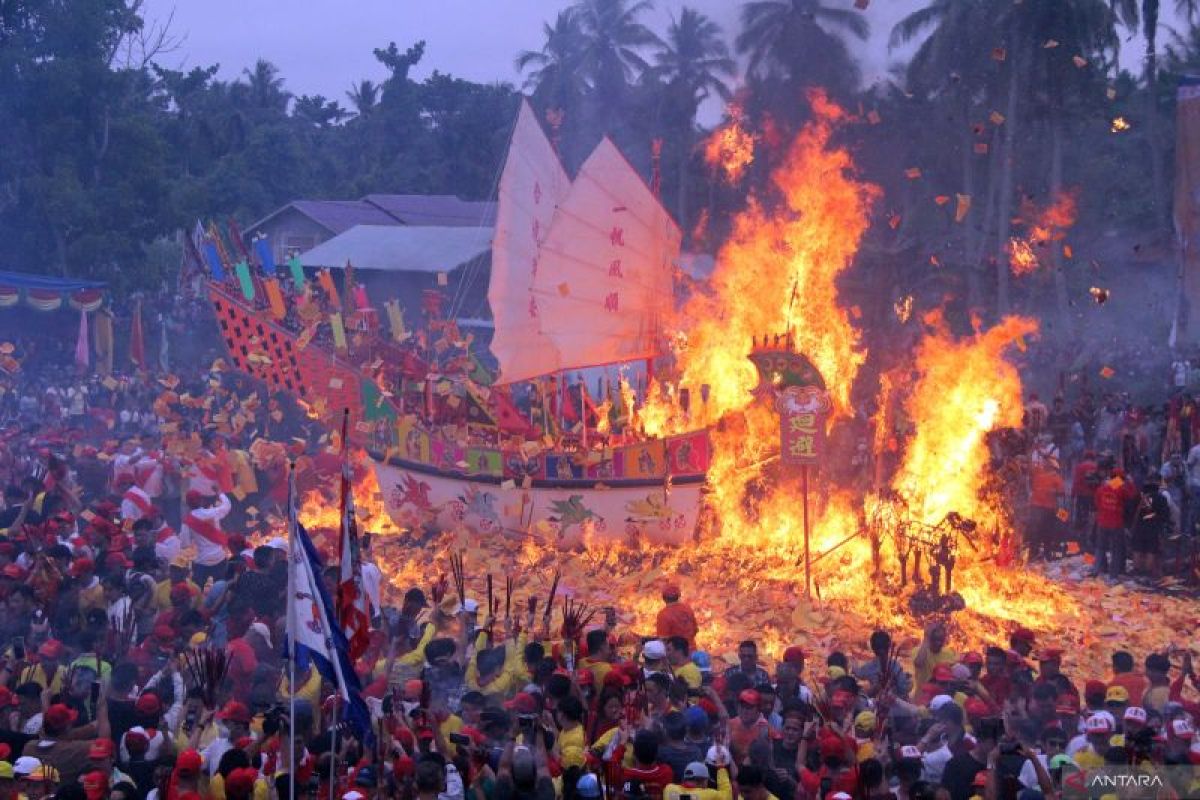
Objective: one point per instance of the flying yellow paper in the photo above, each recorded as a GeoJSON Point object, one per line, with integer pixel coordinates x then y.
{"type": "Point", "coordinates": [962, 207]}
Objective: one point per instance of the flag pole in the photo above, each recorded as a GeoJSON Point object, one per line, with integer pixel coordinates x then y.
{"type": "Point", "coordinates": [291, 631]}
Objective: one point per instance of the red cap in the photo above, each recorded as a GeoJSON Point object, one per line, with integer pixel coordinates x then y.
{"type": "Point", "coordinates": [117, 560]}
{"type": "Point", "coordinates": [52, 648]}
{"type": "Point", "coordinates": [189, 762]}
{"type": "Point", "coordinates": [1023, 634]}
{"type": "Point", "coordinates": [14, 571]}
{"type": "Point", "coordinates": [148, 704]}
{"type": "Point", "coordinates": [59, 716]}
{"type": "Point", "coordinates": [584, 677]}
{"type": "Point", "coordinates": [180, 592]}
{"type": "Point", "coordinates": [7, 698]}
{"type": "Point", "coordinates": [831, 745]}
{"type": "Point", "coordinates": [617, 679]}
{"type": "Point", "coordinates": [749, 697]}
{"type": "Point", "coordinates": [794, 655]}
{"type": "Point", "coordinates": [708, 705]}
{"type": "Point", "coordinates": [1094, 688]}
{"type": "Point", "coordinates": [102, 748]}
{"type": "Point", "coordinates": [972, 658]}
{"type": "Point", "coordinates": [414, 688]}
{"type": "Point", "coordinates": [981, 778]}
{"type": "Point", "coordinates": [424, 733]}
{"type": "Point", "coordinates": [942, 673]}
{"type": "Point", "coordinates": [95, 784]}
{"type": "Point", "coordinates": [241, 781]}
{"type": "Point", "coordinates": [1050, 654]}
{"type": "Point", "coordinates": [403, 766]}
{"type": "Point", "coordinates": [235, 712]}
{"type": "Point", "coordinates": [671, 591]}
{"type": "Point", "coordinates": [523, 703]}
{"type": "Point", "coordinates": [80, 566]}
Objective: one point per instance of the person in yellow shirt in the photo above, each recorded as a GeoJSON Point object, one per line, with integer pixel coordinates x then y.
{"type": "Point", "coordinates": [696, 784]}
{"type": "Point", "coordinates": [48, 672]}
{"type": "Point", "coordinates": [571, 744]}
{"type": "Point", "coordinates": [178, 571]}
{"type": "Point", "coordinates": [933, 651]}
{"type": "Point", "coordinates": [91, 593]}
{"type": "Point", "coordinates": [680, 659]}
{"type": "Point", "coordinates": [599, 657]}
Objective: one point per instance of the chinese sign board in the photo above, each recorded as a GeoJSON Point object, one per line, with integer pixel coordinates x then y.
{"type": "Point", "coordinates": [802, 414]}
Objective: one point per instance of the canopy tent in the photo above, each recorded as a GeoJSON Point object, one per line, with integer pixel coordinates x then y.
{"type": "Point", "coordinates": [398, 248]}
{"type": "Point", "coordinates": [47, 293]}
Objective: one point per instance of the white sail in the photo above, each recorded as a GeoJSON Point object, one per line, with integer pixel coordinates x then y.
{"type": "Point", "coordinates": [532, 185]}
{"type": "Point", "coordinates": [604, 279]}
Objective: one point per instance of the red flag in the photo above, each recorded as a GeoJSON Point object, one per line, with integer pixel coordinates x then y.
{"type": "Point", "coordinates": [352, 610]}
{"type": "Point", "coordinates": [137, 341]}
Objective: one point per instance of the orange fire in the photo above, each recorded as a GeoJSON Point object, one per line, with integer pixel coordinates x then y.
{"type": "Point", "coordinates": [1044, 226]}
{"type": "Point", "coordinates": [730, 148]}
{"type": "Point", "coordinates": [744, 574]}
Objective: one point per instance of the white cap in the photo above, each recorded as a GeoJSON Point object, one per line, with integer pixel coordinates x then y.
{"type": "Point", "coordinates": [1136, 713]}
{"type": "Point", "coordinates": [262, 630]}
{"type": "Point", "coordinates": [718, 754]}
{"type": "Point", "coordinates": [940, 700]}
{"type": "Point", "coordinates": [1100, 722]}
{"type": "Point", "coordinates": [470, 606]}
{"type": "Point", "coordinates": [654, 649]}
{"type": "Point", "coordinates": [25, 765]}
{"type": "Point", "coordinates": [278, 543]}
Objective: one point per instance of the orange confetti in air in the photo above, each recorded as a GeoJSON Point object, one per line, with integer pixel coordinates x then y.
{"type": "Point", "coordinates": [996, 118]}
{"type": "Point", "coordinates": [962, 206]}
{"type": "Point", "coordinates": [981, 148]}
{"type": "Point", "coordinates": [1080, 61]}
{"type": "Point", "coordinates": [873, 117]}
{"type": "Point", "coordinates": [1062, 515]}
{"type": "Point", "coordinates": [912, 173]}
{"type": "Point", "coordinates": [1107, 372]}
{"type": "Point", "coordinates": [999, 54]}
{"type": "Point", "coordinates": [1068, 252]}
{"type": "Point", "coordinates": [942, 199]}
{"type": "Point", "coordinates": [1050, 44]}
{"type": "Point", "coordinates": [893, 221]}
{"type": "Point", "coordinates": [934, 260]}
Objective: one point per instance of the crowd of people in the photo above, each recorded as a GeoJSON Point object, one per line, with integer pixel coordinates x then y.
{"type": "Point", "coordinates": [1116, 480]}
{"type": "Point", "coordinates": [143, 590]}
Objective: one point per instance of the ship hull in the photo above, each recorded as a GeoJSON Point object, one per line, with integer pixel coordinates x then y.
{"type": "Point", "coordinates": [566, 513]}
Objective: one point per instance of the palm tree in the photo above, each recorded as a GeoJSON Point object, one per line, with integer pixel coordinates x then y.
{"type": "Point", "coordinates": [265, 87]}
{"type": "Point", "coordinates": [363, 96]}
{"type": "Point", "coordinates": [555, 75]}
{"type": "Point", "coordinates": [693, 61]}
{"type": "Point", "coordinates": [612, 44]}
{"type": "Point", "coordinates": [800, 39]}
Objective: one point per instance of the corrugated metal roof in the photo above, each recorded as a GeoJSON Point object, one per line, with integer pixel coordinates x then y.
{"type": "Point", "coordinates": [435, 209]}
{"type": "Point", "coordinates": [340, 216]}
{"type": "Point", "coordinates": [401, 248]}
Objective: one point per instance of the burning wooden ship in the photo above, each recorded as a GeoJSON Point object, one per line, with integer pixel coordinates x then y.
{"type": "Point", "coordinates": [581, 278]}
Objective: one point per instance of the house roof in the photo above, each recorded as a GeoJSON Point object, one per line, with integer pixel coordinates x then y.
{"type": "Point", "coordinates": [336, 216]}
{"type": "Point", "coordinates": [401, 248]}
{"type": "Point", "coordinates": [435, 209]}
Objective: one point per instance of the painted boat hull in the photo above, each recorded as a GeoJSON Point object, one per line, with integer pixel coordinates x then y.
{"type": "Point", "coordinates": [565, 512]}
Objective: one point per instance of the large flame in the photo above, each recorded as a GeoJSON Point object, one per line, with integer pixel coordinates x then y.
{"type": "Point", "coordinates": [730, 148]}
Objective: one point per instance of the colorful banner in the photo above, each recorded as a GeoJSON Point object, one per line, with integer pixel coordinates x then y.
{"type": "Point", "coordinates": [266, 256]}
{"type": "Point", "coordinates": [242, 270]}
{"type": "Point", "coordinates": [484, 462]}
{"type": "Point", "coordinates": [802, 415]}
{"type": "Point", "coordinates": [396, 320]}
{"type": "Point", "coordinates": [275, 298]}
{"type": "Point", "coordinates": [325, 279]}
{"type": "Point", "coordinates": [297, 270]}
{"type": "Point", "coordinates": [339, 331]}
{"type": "Point", "coordinates": [648, 460]}
{"type": "Point", "coordinates": [688, 454]}
{"type": "Point", "coordinates": [375, 405]}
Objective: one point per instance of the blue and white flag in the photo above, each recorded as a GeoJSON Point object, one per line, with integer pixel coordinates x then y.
{"type": "Point", "coordinates": [311, 627]}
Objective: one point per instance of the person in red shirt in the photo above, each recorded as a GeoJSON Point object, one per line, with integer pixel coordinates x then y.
{"type": "Point", "coordinates": [837, 760]}
{"type": "Point", "coordinates": [1084, 479]}
{"type": "Point", "coordinates": [676, 618]}
{"type": "Point", "coordinates": [243, 658]}
{"type": "Point", "coordinates": [996, 680]}
{"type": "Point", "coordinates": [647, 770]}
{"type": "Point", "coordinates": [1111, 498]}
{"type": "Point", "coordinates": [1046, 485]}
{"type": "Point", "coordinates": [748, 726]}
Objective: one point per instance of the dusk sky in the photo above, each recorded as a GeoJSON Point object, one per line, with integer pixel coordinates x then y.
{"type": "Point", "coordinates": [324, 46]}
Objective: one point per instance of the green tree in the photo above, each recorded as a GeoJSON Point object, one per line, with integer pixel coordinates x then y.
{"type": "Point", "coordinates": [363, 96]}
{"type": "Point", "coordinates": [800, 40]}
{"type": "Point", "coordinates": [694, 62]}
{"type": "Point", "coordinates": [611, 57]}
